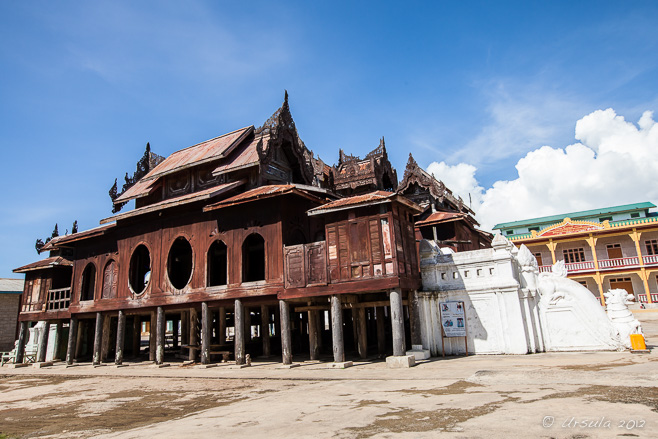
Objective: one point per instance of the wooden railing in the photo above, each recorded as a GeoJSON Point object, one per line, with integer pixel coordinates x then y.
{"type": "Point", "coordinates": [58, 299]}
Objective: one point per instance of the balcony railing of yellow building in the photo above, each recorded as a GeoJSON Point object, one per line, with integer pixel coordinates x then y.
{"type": "Point", "coordinates": [643, 298]}
{"type": "Point", "coordinates": [606, 264]}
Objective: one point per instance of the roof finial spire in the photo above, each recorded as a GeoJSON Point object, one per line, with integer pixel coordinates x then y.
{"type": "Point", "coordinates": [285, 99]}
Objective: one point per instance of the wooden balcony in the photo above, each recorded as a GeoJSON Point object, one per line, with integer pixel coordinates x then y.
{"type": "Point", "coordinates": [59, 299]}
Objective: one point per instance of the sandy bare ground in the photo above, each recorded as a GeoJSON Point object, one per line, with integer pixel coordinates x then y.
{"type": "Point", "coordinates": [571, 395]}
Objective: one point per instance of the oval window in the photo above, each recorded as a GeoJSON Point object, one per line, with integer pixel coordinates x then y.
{"type": "Point", "coordinates": [179, 263]}
{"type": "Point", "coordinates": [140, 269]}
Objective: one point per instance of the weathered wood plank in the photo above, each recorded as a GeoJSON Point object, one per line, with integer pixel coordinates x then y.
{"type": "Point", "coordinates": [313, 335]}
{"type": "Point", "coordinates": [286, 341]}
{"type": "Point", "coordinates": [160, 331]}
{"type": "Point", "coordinates": [73, 336]}
{"type": "Point", "coordinates": [238, 320]}
{"type": "Point", "coordinates": [337, 330]}
{"type": "Point", "coordinates": [205, 333]}
{"type": "Point", "coordinates": [397, 322]}
{"type": "Point", "coordinates": [121, 334]}
{"type": "Point", "coordinates": [98, 338]}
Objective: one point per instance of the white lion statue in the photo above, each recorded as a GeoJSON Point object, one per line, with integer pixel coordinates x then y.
{"type": "Point", "coordinates": [622, 318]}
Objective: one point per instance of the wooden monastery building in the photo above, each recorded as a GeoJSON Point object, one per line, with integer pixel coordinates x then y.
{"type": "Point", "coordinates": [248, 245]}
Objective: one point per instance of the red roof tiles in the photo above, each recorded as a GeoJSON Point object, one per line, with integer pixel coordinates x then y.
{"type": "Point", "coordinates": [212, 149]}
{"type": "Point", "coordinates": [43, 264]}
{"type": "Point", "coordinates": [177, 201]}
{"type": "Point", "coordinates": [260, 193]}
{"type": "Point", "coordinates": [441, 217]}
{"type": "Point", "coordinates": [372, 198]}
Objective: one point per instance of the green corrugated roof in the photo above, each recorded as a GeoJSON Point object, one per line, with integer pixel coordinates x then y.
{"type": "Point", "coordinates": [575, 215]}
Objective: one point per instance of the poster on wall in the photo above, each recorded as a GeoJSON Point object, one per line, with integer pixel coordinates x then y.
{"type": "Point", "coordinates": [453, 319]}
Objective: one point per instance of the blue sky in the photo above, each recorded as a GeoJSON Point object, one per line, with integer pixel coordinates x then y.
{"type": "Point", "coordinates": [84, 86]}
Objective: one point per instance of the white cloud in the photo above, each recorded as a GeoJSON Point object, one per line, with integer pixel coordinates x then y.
{"type": "Point", "coordinates": [460, 179]}
{"type": "Point", "coordinates": [614, 163]}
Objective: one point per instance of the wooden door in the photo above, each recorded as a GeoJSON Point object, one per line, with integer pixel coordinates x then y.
{"type": "Point", "coordinates": [614, 251]}
{"type": "Point", "coordinates": [623, 283]}
{"type": "Point", "coordinates": [110, 278]}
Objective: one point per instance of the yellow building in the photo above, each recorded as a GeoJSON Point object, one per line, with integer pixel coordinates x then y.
{"type": "Point", "coordinates": [614, 247]}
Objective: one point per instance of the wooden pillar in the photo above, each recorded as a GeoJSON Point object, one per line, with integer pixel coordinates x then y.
{"type": "Point", "coordinates": [194, 339]}
{"type": "Point", "coordinates": [337, 329]}
{"type": "Point", "coordinates": [184, 330]}
{"type": "Point", "coordinates": [362, 332]}
{"type": "Point", "coordinates": [82, 330]}
{"type": "Point", "coordinates": [43, 344]}
{"type": "Point", "coordinates": [355, 335]}
{"type": "Point", "coordinates": [98, 337]}
{"type": "Point", "coordinates": [105, 341]}
{"type": "Point", "coordinates": [152, 332]}
{"type": "Point", "coordinates": [22, 340]}
{"type": "Point", "coordinates": [59, 333]}
{"type": "Point", "coordinates": [397, 322]}
{"type": "Point", "coordinates": [238, 330]}
{"type": "Point", "coordinates": [319, 320]}
{"type": "Point", "coordinates": [247, 324]}
{"type": "Point", "coordinates": [206, 330]}
{"type": "Point", "coordinates": [265, 329]}
{"type": "Point", "coordinates": [73, 336]}
{"type": "Point", "coordinates": [121, 336]}
{"type": "Point", "coordinates": [137, 336]}
{"type": "Point", "coordinates": [286, 341]}
{"type": "Point", "coordinates": [160, 331]}
{"type": "Point", "coordinates": [381, 331]}
{"type": "Point", "coordinates": [414, 317]}
{"type": "Point", "coordinates": [175, 324]}
{"type": "Point", "coordinates": [222, 325]}
{"type": "Point", "coordinates": [277, 321]}
{"type": "Point", "coordinates": [313, 336]}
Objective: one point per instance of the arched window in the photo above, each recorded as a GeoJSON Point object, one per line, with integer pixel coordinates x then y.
{"type": "Point", "coordinates": [253, 258]}
{"type": "Point", "coordinates": [140, 269]}
{"type": "Point", "coordinates": [217, 264]}
{"type": "Point", "coordinates": [179, 263]}
{"type": "Point", "coordinates": [88, 282]}
{"type": "Point", "coordinates": [110, 277]}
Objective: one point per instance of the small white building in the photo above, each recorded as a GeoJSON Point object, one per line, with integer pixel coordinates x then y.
{"type": "Point", "coordinates": [509, 307]}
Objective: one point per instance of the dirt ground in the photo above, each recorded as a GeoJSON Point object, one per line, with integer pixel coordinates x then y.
{"type": "Point", "coordinates": [566, 395]}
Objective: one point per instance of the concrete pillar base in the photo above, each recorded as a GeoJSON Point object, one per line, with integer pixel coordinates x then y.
{"type": "Point", "coordinates": [207, 366]}
{"type": "Point", "coordinates": [239, 366]}
{"type": "Point", "coordinates": [158, 366]}
{"type": "Point", "coordinates": [399, 362]}
{"type": "Point", "coordinates": [418, 352]}
{"type": "Point", "coordinates": [341, 365]}
{"type": "Point", "coordinates": [42, 364]}
{"type": "Point", "coordinates": [17, 365]}
{"type": "Point", "coordinates": [288, 366]}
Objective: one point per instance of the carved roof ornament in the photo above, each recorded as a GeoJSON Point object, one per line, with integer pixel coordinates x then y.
{"type": "Point", "coordinates": [414, 174]}
{"type": "Point", "coordinates": [283, 135]}
{"type": "Point", "coordinates": [355, 175]}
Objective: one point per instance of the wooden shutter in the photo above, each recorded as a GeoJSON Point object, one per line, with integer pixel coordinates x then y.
{"type": "Point", "coordinates": [316, 263]}
{"type": "Point", "coordinates": [295, 270]}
